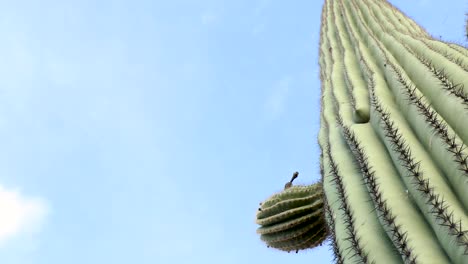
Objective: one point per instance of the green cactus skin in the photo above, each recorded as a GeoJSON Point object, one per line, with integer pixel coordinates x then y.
{"type": "Point", "coordinates": [293, 219]}
{"type": "Point", "coordinates": [394, 124]}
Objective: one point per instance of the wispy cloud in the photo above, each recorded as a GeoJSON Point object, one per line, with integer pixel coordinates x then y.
{"type": "Point", "coordinates": [276, 101]}
{"type": "Point", "coordinates": [20, 214]}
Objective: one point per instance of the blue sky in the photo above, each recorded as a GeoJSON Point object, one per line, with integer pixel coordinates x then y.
{"type": "Point", "coordinates": [149, 131]}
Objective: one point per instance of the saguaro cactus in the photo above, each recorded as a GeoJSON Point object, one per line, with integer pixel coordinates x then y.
{"type": "Point", "coordinates": [394, 123]}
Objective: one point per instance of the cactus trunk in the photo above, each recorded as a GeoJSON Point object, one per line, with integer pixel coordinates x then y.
{"type": "Point", "coordinates": [394, 120]}
{"type": "Point", "coordinates": [393, 134]}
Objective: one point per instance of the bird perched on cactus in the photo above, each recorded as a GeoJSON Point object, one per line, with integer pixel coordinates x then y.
{"type": "Point", "coordinates": [289, 183]}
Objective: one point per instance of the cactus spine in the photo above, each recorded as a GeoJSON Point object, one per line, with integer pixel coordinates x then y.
{"type": "Point", "coordinates": [394, 124]}
{"type": "Point", "coordinates": [394, 120]}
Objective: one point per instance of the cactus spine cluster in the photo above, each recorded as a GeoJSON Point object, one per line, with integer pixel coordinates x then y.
{"type": "Point", "coordinates": [394, 124]}
{"type": "Point", "coordinates": [293, 219]}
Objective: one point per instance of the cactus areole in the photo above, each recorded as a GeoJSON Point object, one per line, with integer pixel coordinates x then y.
{"type": "Point", "coordinates": [393, 135]}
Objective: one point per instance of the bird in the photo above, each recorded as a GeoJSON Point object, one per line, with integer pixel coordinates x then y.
{"type": "Point", "coordinates": [289, 183]}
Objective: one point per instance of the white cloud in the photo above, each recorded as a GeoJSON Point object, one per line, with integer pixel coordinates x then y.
{"type": "Point", "coordinates": [19, 214]}
{"type": "Point", "coordinates": [276, 101]}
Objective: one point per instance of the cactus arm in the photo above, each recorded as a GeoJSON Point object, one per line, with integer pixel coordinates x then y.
{"type": "Point", "coordinates": [293, 219]}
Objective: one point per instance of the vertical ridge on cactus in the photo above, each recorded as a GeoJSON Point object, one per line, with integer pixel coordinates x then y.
{"type": "Point", "coordinates": [393, 135]}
